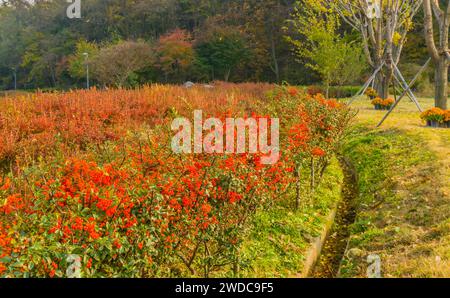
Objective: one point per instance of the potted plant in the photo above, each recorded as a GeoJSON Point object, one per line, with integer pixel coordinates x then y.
{"type": "Point", "coordinates": [382, 104]}
{"type": "Point", "coordinates": [371, 93]}
{"type": "Point", "coordinates": [437, 117]}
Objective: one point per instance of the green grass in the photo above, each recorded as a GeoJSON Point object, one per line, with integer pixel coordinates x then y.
{"type": "Point", "coordinates": [404, 203]}
{"type": "Point", "coordinates": [281, 236]}
{"type": "Point", "coordinates": [403, 206]}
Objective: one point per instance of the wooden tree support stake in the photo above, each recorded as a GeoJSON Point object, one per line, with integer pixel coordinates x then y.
{"type": "Point", "coordinates": [407, 90]}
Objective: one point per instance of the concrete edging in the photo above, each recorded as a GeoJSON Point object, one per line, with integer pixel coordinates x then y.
{"type": "Point", "coordinates": [314, 252]}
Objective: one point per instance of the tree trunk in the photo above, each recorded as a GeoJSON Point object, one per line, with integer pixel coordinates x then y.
{"type": "Point", "coordinates": [383, 81]}
{"type": "Point", "coordinates": [439, 54]}
{"type": "Point", "coordinates": [227, 75]}
{"type": "Point", "coordinates": [382, 86]}
{"type": "Point", "coordinates": [441, 84]}
{"type": "Point", "coordinates": [276, 67]}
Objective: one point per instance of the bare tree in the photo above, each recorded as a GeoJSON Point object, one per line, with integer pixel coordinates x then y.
{"type": "Point", "coordinates": [439, 54]}
{"type": "Point", "coordinates": [384, 25]}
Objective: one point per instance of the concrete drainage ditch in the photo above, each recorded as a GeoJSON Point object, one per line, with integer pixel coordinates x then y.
{"type": "Point", "coordinates": [324, 258]}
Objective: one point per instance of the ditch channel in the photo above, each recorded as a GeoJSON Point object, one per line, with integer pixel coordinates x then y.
{"type": "Point", "coordinates": [336, 243]}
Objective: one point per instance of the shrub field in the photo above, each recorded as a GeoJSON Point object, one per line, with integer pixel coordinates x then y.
{"type": "Point", "coordinates": [88, 179]}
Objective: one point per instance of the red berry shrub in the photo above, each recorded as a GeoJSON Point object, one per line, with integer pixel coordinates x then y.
{"type": "Point", "coordinates": [125, 203]}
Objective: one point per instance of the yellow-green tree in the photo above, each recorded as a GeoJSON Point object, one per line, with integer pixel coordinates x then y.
{"type": "Point", "coordinates": [78, 61]}
{"type": "Point", "coordinates": [328, 53]}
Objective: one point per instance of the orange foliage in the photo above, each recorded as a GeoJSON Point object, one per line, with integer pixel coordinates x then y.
{"type": "Point", "coordinates": [33, 125]}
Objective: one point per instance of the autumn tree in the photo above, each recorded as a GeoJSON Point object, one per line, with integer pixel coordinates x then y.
{"type": "Point", "coordinates": [440, 52]}
{"type": "Point", "coordinates": [175, 53]}
{"type": "Point", "coordinates": [114, 65]}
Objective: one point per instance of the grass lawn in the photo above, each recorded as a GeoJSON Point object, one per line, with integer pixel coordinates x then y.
{"type": "Point", "coordinates": [403, 206]}
{"type": "Point", "coordinates": [404, 201]}
{"type": "Point", "coordinates": [281, 237]}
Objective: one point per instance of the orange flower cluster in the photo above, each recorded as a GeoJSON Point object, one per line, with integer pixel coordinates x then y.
{"type": "Point", "coordinates": [370, 92]}
{"type": "Point", "coordinates": [318, 126]}
{"type": "Point", "coordinates": [173, 205]}
{"type": "Point", "coordinates": [437, 115]}
{"type": "Point", "coordinates": [383, 102]}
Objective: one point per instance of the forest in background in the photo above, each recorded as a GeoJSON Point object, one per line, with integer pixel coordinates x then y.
{"type": "Point", "coordinates": [133, 42]}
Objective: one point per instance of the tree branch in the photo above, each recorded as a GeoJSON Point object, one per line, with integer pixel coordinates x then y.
{"type": "Point", "coordinates": [429, 32]}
